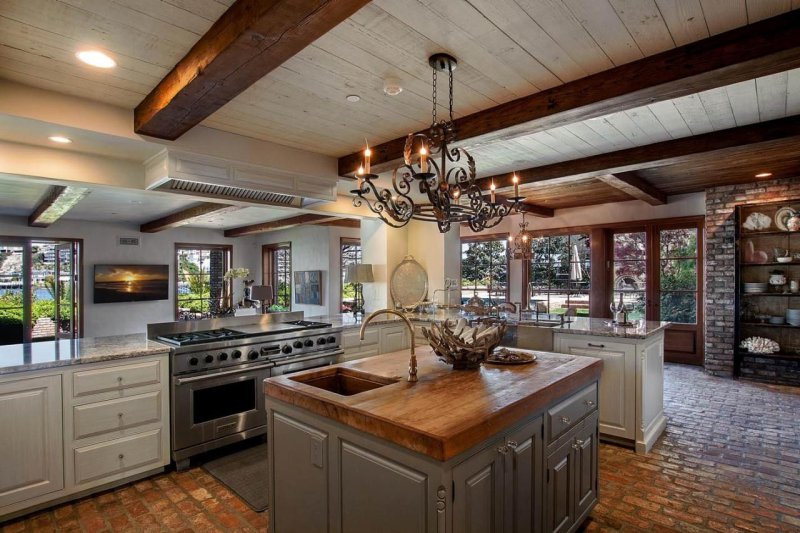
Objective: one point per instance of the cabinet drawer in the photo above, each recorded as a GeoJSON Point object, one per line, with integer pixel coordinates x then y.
{"type": "Point", "coordinates": [111, 457]}
{"type": "Point", "coordinates": [111, 415]}
{"type": "Point", "coordinates": [350, 339]}
{"type": "Point", "coordinates": [566, 414]}
{"type": "Point", "coordinates": [115, 378]}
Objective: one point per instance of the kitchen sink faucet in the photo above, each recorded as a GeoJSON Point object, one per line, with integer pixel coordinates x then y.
{"type": "Point", "coordinates": [412, 364]}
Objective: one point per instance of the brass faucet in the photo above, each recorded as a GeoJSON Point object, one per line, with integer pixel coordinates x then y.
{"type": "Point", "coordinates": [412, 364]}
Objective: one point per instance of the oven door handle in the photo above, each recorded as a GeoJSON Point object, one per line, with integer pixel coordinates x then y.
{"type": "Point", "coordinates": [182, 381]}
{"type": "Point", "coordinates": [310, 357]}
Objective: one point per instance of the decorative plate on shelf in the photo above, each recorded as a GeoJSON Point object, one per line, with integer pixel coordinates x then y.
{"type": "Point", "coordinates": [781, 216]}
{"type": "Point", "coordinates": [757, 222]}
{"type": "Point", "coordinates": [504, 356]}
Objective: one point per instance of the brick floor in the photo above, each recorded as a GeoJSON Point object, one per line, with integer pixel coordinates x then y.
{"type": "Point", "coordinates": [728, 461]}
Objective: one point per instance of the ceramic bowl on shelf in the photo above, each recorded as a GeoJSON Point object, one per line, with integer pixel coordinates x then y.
{"type": "Point", "coordinates": [793, 317]}
{"type": "Point", "coordinates": [755, 287]}
{"type": "Point", "coordinates": [783, 259]}
{"type": "Point", "coordinates": [777, 320]}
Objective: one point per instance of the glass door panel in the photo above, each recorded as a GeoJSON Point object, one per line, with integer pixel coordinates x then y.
{"type": "Point", "coordinates": [12, 302]}
{"type": "Point", "coordinates": [630, 272]}
{"type": "Point", "coordinates": [65, 289]}
{"type": "Point", "coordinates": [677, 298]}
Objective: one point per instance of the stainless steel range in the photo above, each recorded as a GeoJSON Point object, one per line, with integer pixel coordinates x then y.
{"type": "Point", "coordinates": [218, 367]}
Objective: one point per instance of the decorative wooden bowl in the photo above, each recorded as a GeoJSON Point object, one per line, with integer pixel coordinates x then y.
{"type": "Point", "coordinates": [464, 348]}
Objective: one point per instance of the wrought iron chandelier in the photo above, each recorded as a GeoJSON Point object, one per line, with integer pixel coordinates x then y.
{"type": "Point", "coordinates": [520, 245]}
{"type": "Point", "coordinates": [444, 175]}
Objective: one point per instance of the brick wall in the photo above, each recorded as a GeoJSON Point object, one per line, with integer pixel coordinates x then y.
{"type": "Point", "coordinates": [720, 284]}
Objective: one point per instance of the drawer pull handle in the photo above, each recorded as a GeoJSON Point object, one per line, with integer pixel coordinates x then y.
{"type": "Point", "coordinates": [590, 403]}
{"type": "Point", "coordinates": [119, 379]}
{"type": "Point", "coordinates": [596, 345]}
{"type": "Point", "coordinates": [512, 444]}
{"type": "Point", "coordinates": [121, 456]}
{"type": "Point", "coordinates": [577, 445]}
{"type": "Point", "coordinates": [565, 420]}
{"type": "Point", "coordinates": [502, 449]}
{"type": "Point", "coordinates": [119, 415]}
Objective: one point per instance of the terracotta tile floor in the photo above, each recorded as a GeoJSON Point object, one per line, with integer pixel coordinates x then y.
{"type": "Point", "coordinates": [729, 461]}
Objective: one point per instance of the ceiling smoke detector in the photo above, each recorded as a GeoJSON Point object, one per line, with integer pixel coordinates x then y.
{"type": "Point", "coordinates": [392, 87]}
{"type": "Point", "coordinates": [352, 98]}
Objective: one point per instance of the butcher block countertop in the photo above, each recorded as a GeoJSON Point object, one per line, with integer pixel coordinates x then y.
{"type": "Point", "coordinates": [447, 411]}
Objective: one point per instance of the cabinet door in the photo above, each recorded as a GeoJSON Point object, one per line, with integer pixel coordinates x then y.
{"type": "Point", "coordinates": [478, 492]}
{"type": "Point", "coordinates": [394, 339]}
{"type": "Point", "coordinates": [585, 447]}
{"type": "Point", "coordinates": [31, 439]}
{"type": "Point", "coordinates": [617, 397]}
{"type": "Point", "coordinates": [559, 509]}
{"type": "Point", "coordinates": [523, 484]}
{"type": "Point", "coordinates": [299, 463]}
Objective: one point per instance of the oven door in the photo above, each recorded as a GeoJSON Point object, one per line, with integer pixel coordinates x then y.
{"type": "Point", "coordinates": [211, 406]}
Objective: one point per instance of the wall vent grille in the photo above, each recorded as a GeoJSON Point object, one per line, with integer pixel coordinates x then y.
{"type": "Point", "coordinates": [129, 241]}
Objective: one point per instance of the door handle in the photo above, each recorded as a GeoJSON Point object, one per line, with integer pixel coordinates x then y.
{"type": "Point", "coordinates": [595, 345]}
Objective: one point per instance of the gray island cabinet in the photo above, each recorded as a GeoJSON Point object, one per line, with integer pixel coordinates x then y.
{"type": "Point", "coordinates": [356, 448]}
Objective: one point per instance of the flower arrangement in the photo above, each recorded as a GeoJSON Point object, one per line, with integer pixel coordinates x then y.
{"type": "Point", "coordinates": [236, 273]}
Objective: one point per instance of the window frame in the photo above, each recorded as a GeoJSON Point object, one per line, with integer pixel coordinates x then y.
{"type": "Point", "coordinates": [269, 273]}
{"type": "Point", "coordinates": [527, 266]}
{"type": "Point", "coordinates": [351, 241]}
{"type": "Point", "coordinates": [479, 238]}
{"type": "Point", "coordinates": [227, 285]}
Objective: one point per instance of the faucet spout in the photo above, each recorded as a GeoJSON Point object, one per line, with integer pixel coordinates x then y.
{"type": "Point", "coordinates": [412, 364]}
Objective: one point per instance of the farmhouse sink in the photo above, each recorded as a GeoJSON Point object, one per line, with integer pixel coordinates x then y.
{"type": "Point", "coordinates": [343, 381]}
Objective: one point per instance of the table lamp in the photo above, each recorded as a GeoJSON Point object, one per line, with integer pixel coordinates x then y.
{"type": "Point", "coordinates": [358, 275]}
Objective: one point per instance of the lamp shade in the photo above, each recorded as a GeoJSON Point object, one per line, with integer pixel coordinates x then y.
{"type": "Point", "coordinates": [359, 274]}
{"type": "Point", "coordinates": [261, 292]}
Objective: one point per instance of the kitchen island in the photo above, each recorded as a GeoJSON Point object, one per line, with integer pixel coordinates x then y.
{"type": "Point", "coordinates": [355, 447]}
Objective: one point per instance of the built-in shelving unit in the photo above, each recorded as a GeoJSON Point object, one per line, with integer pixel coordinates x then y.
{"type": "Point", "coordinates": [751, 308]}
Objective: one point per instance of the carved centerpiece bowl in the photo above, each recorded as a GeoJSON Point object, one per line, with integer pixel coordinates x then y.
{"type": "Point", "coordinates": [464, 347]}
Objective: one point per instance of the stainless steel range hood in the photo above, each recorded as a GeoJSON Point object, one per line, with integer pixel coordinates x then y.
{"type": "Point", "coordinates": [212, 177]}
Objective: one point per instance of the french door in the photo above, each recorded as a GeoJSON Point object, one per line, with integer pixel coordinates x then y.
{"type": "Point", "coordinates": [657, 269]}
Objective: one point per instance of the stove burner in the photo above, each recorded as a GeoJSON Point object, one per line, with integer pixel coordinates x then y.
{"type": "Point", "coordinates": [309, 324]}
{"type": "Point", "coordinates": [197, 337]}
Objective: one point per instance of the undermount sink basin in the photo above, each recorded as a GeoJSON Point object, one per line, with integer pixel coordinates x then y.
{"type": "Point", "coordinates": [540, 323]}
{"type": "Point", "coordinates": [343, 381]}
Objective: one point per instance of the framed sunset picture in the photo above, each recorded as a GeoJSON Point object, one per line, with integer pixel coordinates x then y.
{"type": "Point", "coordinates": [130, 283]}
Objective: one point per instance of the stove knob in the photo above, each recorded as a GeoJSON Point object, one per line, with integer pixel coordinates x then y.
{"type": "Point", "coordinates": [321, 340]}
{"type": "Point", "coordinates": [297, 344]}
{"type": "Point", "coordinates": [309, 343]}
{"type": "Point", "coordinates": [193, 361]}
{"type": "Point", "coordinates": [252, 355]}
{"type": "Point", "coordinates": [286, 349]}
{"type": "Point", "coordinates": [236, 354]}
{"type": "Point", "coordinates": [331, 340]}
{"type": "Point", "coordinates": [223, 356]}
{"type": "Point", "coordinates": [209, 359]}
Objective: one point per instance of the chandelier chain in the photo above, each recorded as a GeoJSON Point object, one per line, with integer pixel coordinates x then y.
{"type": "Point", "coordinates": [434, 96]}
{"type": "Point", "coordinates": [451, 94]}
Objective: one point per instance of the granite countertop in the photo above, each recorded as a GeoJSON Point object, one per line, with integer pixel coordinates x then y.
{"type": "Point", "coordinates": [602, 327]}
{"type": "Point", "coordinates": [447, 411]}
{"type": "Point", "coordinates": [52, 354]}
{"type": "Point", "coordinates": [581, 326]}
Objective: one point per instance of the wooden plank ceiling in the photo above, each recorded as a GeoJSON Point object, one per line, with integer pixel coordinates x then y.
{"type": "Point", "coordinates": [506, 49]}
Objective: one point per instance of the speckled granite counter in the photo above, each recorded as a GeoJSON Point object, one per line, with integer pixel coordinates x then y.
{"type": "Point", "coordinates": [51, 354]}
{"type": "Point", "coordinates": [602, 327]}
{"type": "Point", "coordinates": [582, 326]}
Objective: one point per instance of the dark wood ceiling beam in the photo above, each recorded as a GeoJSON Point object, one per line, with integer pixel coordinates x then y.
{"type": "Point", "coordinates": [732, 141]}
{"type": "Point", "coordinates": [56, 203]}
{"type": "Point", "coordinates": [283, 223]}
{"type": "Point", "coordinates": [766, 47]}
{"type": "Point", "coordinates": [252, 38]}
{"type": "Point", "coordinates": [343, 223]}
{"type": "Point", "coordinates": [635, 186]}
{"type": "Point", "coordinates": [183, 217]}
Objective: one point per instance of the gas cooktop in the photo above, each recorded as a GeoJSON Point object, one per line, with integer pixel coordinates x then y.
{"type": "Point", "coordinates": [198, 337]}
{"type": "Point", "coordinates": [223, 334]}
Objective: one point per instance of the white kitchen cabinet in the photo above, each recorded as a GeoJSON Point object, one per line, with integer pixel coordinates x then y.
{"type": "Point", "coordinates": [378, 338]}
{"type": "Point", "coordinates": [394, 338]}
{"type": "Point", "coordinates": [31, 439]}
{"type": "Point", "coordinates": [631, 386]}
{"type": "Point", "coordinates": [87, 427]}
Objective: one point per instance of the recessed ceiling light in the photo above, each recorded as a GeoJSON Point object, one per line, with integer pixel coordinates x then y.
{"type": "Point", "coordinates": [60, 139]}
{"type": "Point", "coordinates": [96, 58]}
{"type": "Point", "coordinates": [764, 174]}
{"type": "Point", "coordinates": [352, 98]}
{"type": "Point", "coordinates": [392, 87]}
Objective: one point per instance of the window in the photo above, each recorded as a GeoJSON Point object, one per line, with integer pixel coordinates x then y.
{"type": "Point", "coordinates": [678, 275]}
{"type": "Point", "coordinates": [40, 290]}
{"type": "Point", "coordinates": [277, 272]}
{"type": "Point", "coordinates": [560, 274]}
{"type": "Point", "coordinates": [201, 291]}
{"type": "Point", "coordinates": [484, 270]}
{"type": "Point", "coordinates": [630, 272]}
{"type": "Point", "coordinates": [349, 254]}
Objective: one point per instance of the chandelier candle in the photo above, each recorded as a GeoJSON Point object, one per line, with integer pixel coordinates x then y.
{"type": "Point", "coordinates": [515, 180]}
